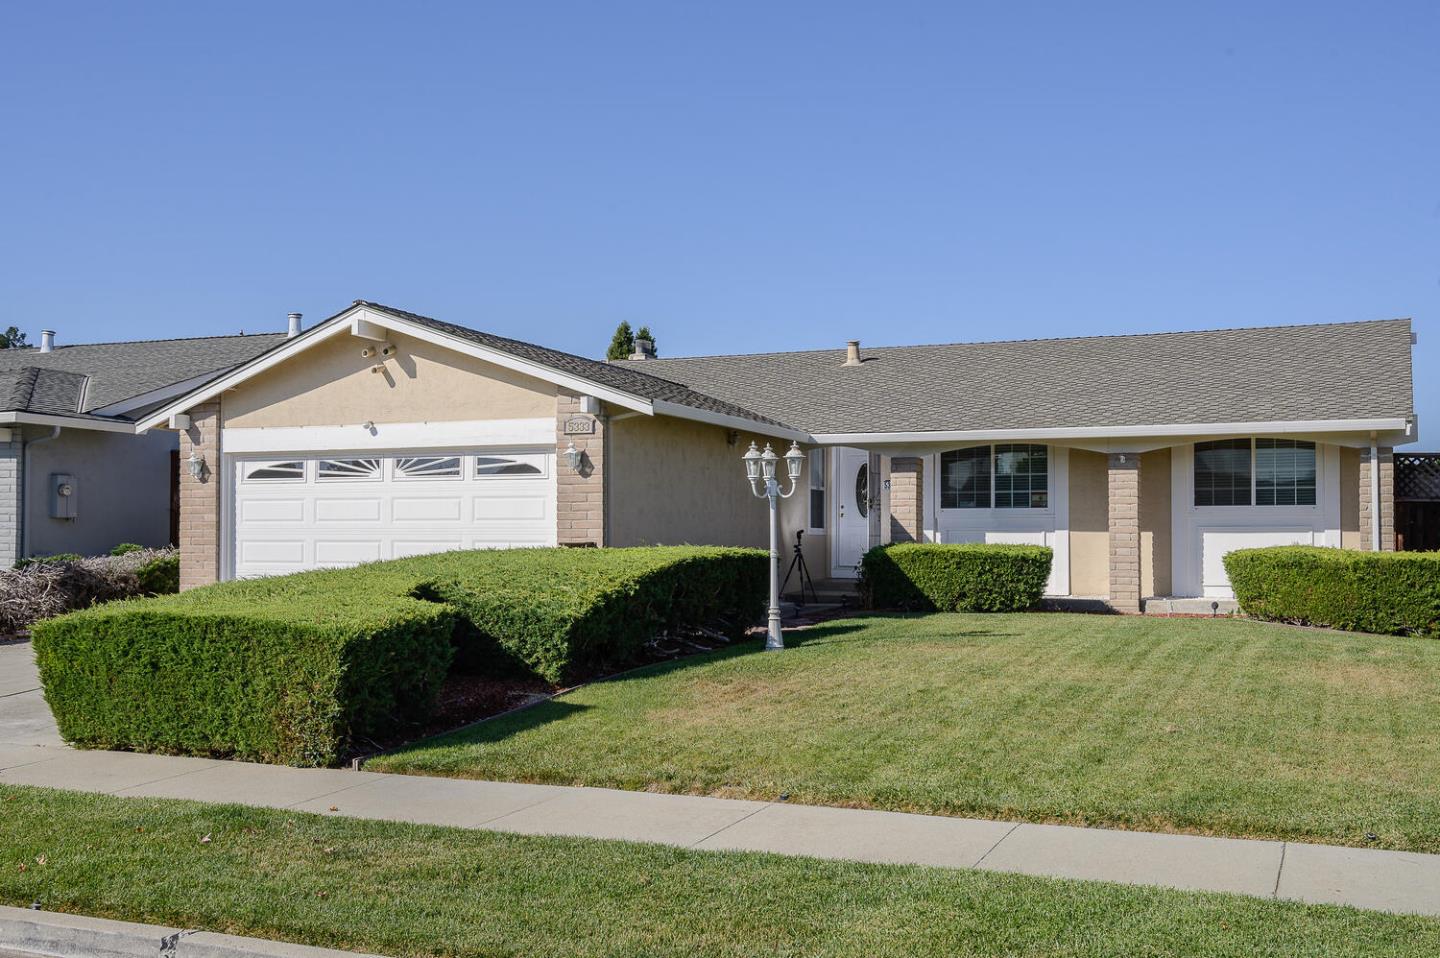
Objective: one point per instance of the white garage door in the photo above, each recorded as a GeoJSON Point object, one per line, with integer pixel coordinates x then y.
{"type": "Point", "coordinates": [297, 512]}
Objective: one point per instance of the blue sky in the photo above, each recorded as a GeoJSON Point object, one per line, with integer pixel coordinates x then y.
{"type": "Point", "coordinates": [741, 177]}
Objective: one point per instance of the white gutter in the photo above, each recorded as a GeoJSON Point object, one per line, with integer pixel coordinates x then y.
{"type": "Point", "coordinates": [24, 506]}
{"type": "Point", "coordinates": [1119, 432]}
{"type": "Point", "coordinates": [1374, 496]}
{"type": "Point", "coordinates": [69, 422]}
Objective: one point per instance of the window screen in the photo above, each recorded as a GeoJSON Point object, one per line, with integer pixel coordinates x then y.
{"type": "Point", "coordinates": [817, 488]}
{"type": "Point", "coordinates": [1284, 472]}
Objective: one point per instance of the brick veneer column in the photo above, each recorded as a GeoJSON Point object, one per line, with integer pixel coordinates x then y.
{"type": "Point", "coordinates": [1124, 510]}
{"type": "Point", "coordinates": [581, 506]}
{"type": "Point", "coordinates": [907, 499]}
{"type": "Point", "coordinates": [1387, 499]}
{"type": "Point", "coordinates": [11, 478]}
{"type": "Point", "coordinates": [200, 499]}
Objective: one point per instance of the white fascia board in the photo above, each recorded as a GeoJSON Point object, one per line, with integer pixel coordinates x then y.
{"type": "Point", "coordinates": [679, 411]}
{"type": "Point", "coordinates": [466, 434]}
{"type": "Point", "coordinates": [68, 422]}
{"type": "Point", "coordinates": [1116, 432]}
{"type": "Point", "coordinates": [370, 321]}
{"type": "Point", "coordinates": [153, 396]}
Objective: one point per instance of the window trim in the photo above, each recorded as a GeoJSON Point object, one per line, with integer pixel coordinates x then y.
{"type": "Point", "coordinates": [1254, 503]}
{"type": "Point", "coordinates": [1048, 508]}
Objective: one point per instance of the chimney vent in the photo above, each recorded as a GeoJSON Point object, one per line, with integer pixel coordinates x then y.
{"type": "Point", "coordinates": [644, 349]}
{"type": "Point", "coordinates": [852, 353]}
{"type": "Point", "coordinates": [294, 328]}
{"type": "Point", "coordinates": [47, 340]}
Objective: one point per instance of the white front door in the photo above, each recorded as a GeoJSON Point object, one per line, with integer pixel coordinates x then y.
{"type": "Point", "coordinates": [851, 491]}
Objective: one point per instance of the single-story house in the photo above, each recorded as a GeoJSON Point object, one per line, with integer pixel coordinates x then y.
{"type": "Point", "coordinates": [1141, 460]}
{"type": "Point", "coordinates": [75, 475]}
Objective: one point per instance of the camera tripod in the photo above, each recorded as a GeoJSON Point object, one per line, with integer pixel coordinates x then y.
{"type": "Point", "coordinates": [799, 563]}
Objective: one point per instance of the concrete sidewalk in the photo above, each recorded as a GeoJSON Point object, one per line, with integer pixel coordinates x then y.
{"type": "Point", "coordinates": [30, 754]}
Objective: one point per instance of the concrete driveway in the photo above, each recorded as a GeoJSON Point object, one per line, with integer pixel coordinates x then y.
{"type": "Point", "coordinates": [24, 717]}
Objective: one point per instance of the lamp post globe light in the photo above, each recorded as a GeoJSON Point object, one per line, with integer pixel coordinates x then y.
{"type": "Point", "coordinates": [760, 467]}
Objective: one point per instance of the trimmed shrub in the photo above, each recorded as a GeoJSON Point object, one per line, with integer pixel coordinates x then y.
{"type": "Point", "coordinates": [1396, 593]}
{"type": "Point", "coordinates": [272, 671]}
{"type": "Point", "coordinates": [969, 577]}
{"type": "Point", "coordinates": [300, 669]}
{"type": "Point", "coordinates": [125, 547]}
{"type": "Point", "coordinates": [159, 575]}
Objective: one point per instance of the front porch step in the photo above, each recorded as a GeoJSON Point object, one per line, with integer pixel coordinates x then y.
{"type": "Point", "coordinates": [827, 592]}
{"type": "Point", "coordinates": [1161, 605]}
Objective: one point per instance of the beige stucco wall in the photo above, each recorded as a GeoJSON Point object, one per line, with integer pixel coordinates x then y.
{"type": "Point", "coordinates": [331, 384]}
{"type": "Point", "coordinates": [1089, 524]}
{"type": "Point", "coordinates": [1349, 498]}
{"type": "Point", "coordinates": [122, 490]}
{"type": "Point", "coordinates": [1155, 523]}
{"type": "Point", "coordinates": [673, 481]}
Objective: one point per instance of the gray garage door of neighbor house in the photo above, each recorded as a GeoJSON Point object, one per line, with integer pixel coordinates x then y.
{"type": "Point", "coordinates": [290, 512]}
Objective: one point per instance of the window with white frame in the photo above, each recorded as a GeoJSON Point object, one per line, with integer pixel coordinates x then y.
{"type": "Point", "coordinates": [1262, 472]}
{"type": "Point", "coordinates": [347, 470]}
{"type": "Point", "coordinates": [817, 489]}
{"type": "Point", "coordinates": [293, 471]}
{"type": "Point", "coordinates": [427, 467]}
{"type": "Point", "coordinates": [520, 465]}
{"type": "Point", "coordinates": [1011, 476]}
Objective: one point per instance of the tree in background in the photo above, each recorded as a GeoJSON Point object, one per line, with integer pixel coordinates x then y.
{"type": "Point", "coordinates": [646, 334]}
{"type": "Point", "coordinates": [12, 338]}
{"type": "Point", "coordinates": [622, 344]}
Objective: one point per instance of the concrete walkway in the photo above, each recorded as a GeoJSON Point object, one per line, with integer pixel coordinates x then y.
{"type": "Point", "coordinates": [30, 754]}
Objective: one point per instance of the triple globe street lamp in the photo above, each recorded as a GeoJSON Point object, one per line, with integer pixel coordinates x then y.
{"type": "Point", "coordinates": [760, 466]}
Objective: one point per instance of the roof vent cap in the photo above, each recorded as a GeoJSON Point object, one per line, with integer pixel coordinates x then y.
{"type": "Point", "coordinates": [644, 349]}
{"type": "Point", "coordinates": [47, 340]}
{"type": "Point", "coordinates": [852, 353]}
{"type": "Point", "coordinates": [293, 329]}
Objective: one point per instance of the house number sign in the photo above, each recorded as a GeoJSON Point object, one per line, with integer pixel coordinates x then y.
{"type": "Point", "coordinates": [579, 426]}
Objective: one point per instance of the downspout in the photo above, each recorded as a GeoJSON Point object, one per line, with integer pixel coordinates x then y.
{"type": "Point", "coordinates": [1374, 495]}
{"type": "Point", "coordinates": [24, 504]}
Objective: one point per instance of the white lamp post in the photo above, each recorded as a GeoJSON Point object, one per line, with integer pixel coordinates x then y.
{"type": "Point", "coordinates": [761, 466]}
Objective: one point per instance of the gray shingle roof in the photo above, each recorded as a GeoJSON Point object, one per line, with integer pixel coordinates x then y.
{"type": "Point", "coordinates": [1277, 373]}
{"type": "Point", "coordinates": [636, 382]}
{"type": "Point", "coordinates": [79, 379]}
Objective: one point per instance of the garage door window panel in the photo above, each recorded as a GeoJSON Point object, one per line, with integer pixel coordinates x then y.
{"type": "Point", "coordinates": [427, 467]}
{"type": "Point", "coordinates": [289, 471]}
{"type": "Point", "coordinates": [528, 465]}
{"type": "Point", "coordinates": [348, 470]}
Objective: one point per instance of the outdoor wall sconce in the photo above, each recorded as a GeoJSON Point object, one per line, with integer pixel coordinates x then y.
{"type": "Point", "coordinates": [573, 457]}
{"type": "Point", "coordinates": [196, 465]}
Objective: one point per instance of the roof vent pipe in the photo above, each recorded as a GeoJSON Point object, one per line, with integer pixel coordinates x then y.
{"type": "Point", "coordinates": [852, 353]}
{"type": "Point", "coordinates": [47, 340]}
{"type": "Point", "coordinates": [294, 329]}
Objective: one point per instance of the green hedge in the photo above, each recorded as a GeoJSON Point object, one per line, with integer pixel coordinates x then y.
{"type": "Point", "coordinates": [300, 669]}
{"type": "Point", "coordinates": [1395, 593]}
{"type": "Point", "coordinates": [970, 577]}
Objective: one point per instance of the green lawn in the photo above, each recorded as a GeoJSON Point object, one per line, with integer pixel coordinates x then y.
{"type": "Point", "coordinates": [411, 890]}
{"type": "Point", "coordinates": [1210, 726]}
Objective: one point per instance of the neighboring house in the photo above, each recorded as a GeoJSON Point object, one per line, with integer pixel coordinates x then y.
{"type": "Point", "coordinates": [1140, 459]}
{"type": "Point", "coordinates": [74, 474]}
